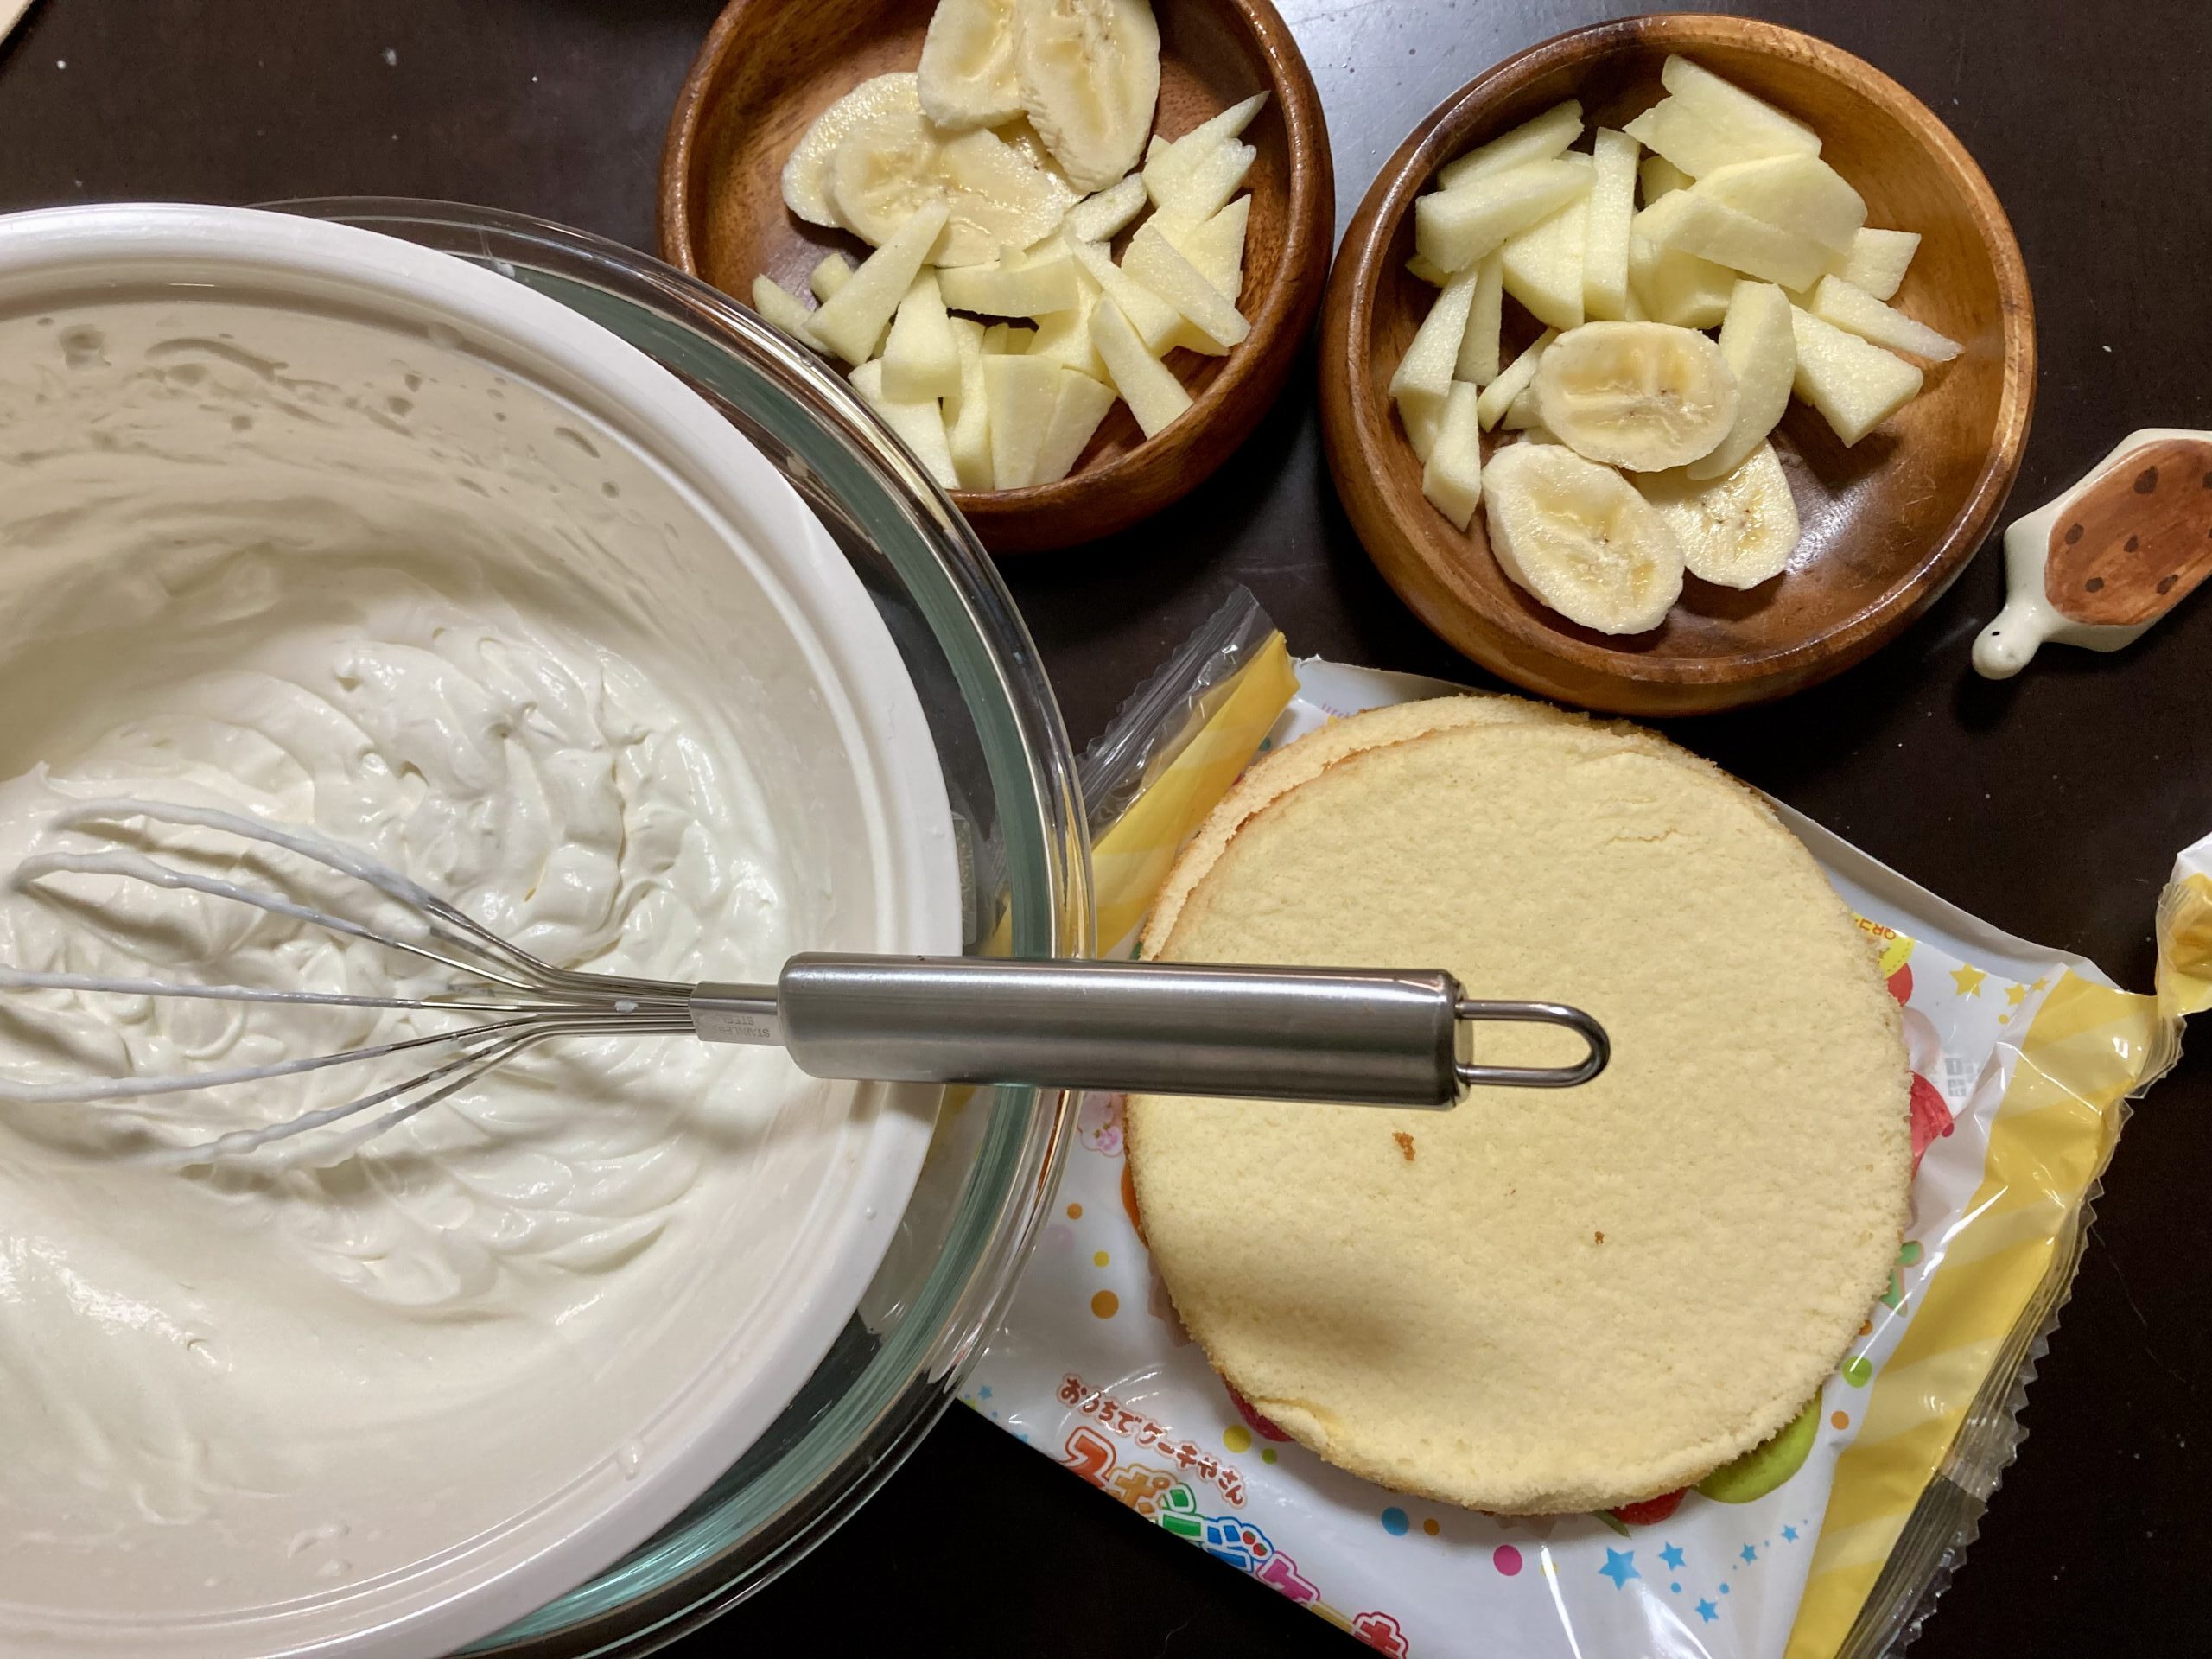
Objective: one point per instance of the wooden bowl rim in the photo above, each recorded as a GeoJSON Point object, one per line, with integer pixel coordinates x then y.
{"type": "Point", "coordinates": [1288, 303]}
{"type": "Point", "coordinates": [1361, 260]}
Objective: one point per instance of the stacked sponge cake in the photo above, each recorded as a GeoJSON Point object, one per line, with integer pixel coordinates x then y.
{"type": "Point", "coordinates": [1539, 1301]}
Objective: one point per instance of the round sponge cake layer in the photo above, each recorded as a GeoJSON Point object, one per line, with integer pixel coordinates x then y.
{"type": "Point", "coordinates": [1542, 1300]}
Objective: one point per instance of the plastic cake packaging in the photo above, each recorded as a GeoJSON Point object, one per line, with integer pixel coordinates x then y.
{"type": "Point", "coordinates": [1832, 1539]}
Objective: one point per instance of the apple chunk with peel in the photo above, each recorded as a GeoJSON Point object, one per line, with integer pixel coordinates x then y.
{"type": "Point", "coordinates": [853, 318]}
{"type": "Point", "coordinates": [920, 425]}
{"type": "Point", "coordinates": [1451, 476]}
{"type": "Point", "coordinates": [1855, 385]}
{"type": "Point", "coordinates": [1539, 140]}
{"type": "Point", "coordinates": [1760, 343]}
{"type": "Point", "coordinates": [1154, 396]}
{"type": "Point", "coordinates": [1454, 228]}
{"type": "Point", "coordinates": [1856, 311]}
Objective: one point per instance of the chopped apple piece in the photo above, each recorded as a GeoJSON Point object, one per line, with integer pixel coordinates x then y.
{"type": "Point", "coordinates": [1854, 310]}
{"type": "Point", "coordinates": [1723, 103]}
{"type": "Point", "coordinates": [1678, 288]}
{"type": "Point", "coordinates": [1014, 287]}
{"type": "Point", "coordinates": [1707, 124]}
{"type": "Point", "coordinates": [1006, 340]}
{"type": "Point", "coordinates": [1544, 266]}
{"type": "Point", "coordinates": [1532, 141]}
{"type": "Point", "coordinates": [851, 320]}
{"type": "Point", "coordinates": [1454, 228]}
{"type": "Point", "coordinates": [1855, 385]}
{"type": "Point", "coordinates": [1215, 246]}
{"type": "Point", "coordinates": [1101, 217]}
{"type": "Point", "coordinates": [1021, 393]}
{"type": "Point", "coordinates": [1434, 276]}
{"type": "Point", "coordinates": [1178, 162]}
{"type": "Point", "coordinates": [1452, 477]}
{"type": "Point", "coordinates": [1760, 343]}
{"type": "Point", "coordinates": [1422, 414]}
{"type": "Point", "coordinates": [1877, 261]}
{"type": "Point", "coordinates": [1521, 414]}
{"type": "Point", "coordinates": [1431, 360]}
{"type": "Point", "coordinates": [968, 412]}
{"type": "Point", "coordinates": [1499, 395]}
{"type": "Point", "coordinates": [921, 359]}
{"type": "Point", "coordinates": [1478, 346]}
{"type": "Point", "coordinates": [1065, 336]}
{"type": "Point", "coordinates": [1154, 320]}
{"type": "Point", "coordinates": [1154, 396]}
{"type": "Point", "coordinates": [1082, 404]}
{"type": "Point", "coordinates": [1690, 223]}
{"type": "Point", "coordinates": [920, 425]}
{"type": "Point", "coordinates": [1152, 261]}
{"type": "Point", "coordinates": [1659, 176]}
{"type": "Point", "coordinates": [1802, 194]}
{"type": "Point", "coordinates": [1205, 188]}
{"type": "Point", "coordinates": [832, 274]}
{"type": "Point", "coordinates": [1605, 237]}
{"type": "Point", "coordinates": [781, 308]}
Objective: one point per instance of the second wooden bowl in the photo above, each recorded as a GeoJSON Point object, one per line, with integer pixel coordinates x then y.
{"type": "Point", "coordinates": [1887, 523]}
{"type": "Point", "coordinates": [769, 68]}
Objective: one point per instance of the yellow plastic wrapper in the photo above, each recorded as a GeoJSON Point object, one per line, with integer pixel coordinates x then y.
{"type": "Point", "coordinates": [2185, 934]}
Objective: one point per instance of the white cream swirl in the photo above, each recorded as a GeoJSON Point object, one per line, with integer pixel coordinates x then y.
{"type": "Point", "coordinates": [421, 608]}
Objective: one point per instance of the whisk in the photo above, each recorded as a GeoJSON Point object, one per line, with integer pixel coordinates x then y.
{"type": "Point", "coordinates": [1386, 1037]}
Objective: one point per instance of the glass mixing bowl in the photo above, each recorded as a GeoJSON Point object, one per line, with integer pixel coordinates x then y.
{"type": "Point", "coordinates": [948, 1277]}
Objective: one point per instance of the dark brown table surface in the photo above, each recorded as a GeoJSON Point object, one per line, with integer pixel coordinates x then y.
{"type": "Point", "coordinates": [2052, 806]}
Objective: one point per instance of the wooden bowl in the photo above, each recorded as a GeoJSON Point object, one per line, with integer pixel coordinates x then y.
{"type": "Point", "coordinates": [769, 68]}
{"type": "Point", "coordinates": [1888, 524]}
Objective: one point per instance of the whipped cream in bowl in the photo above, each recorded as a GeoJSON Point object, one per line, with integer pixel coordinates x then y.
{"type": "Point", "coordinates": [304, 523]}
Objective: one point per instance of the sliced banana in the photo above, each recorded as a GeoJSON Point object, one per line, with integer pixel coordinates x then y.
{"type": "Point", "coordinates": [890, 165]}
{"type": "Point", "coordinates": [1089, 75]}
{"type": "Point", "coordinates": [1646, 396]}
{"type": "Point", "coordinates": [967, 73]}
{"type": "Point", "coordinates": [806, 174]}
{"type": "Point", "coordinates": [1737, 529]}
{"type": "Point", "coordinates": [1580, 538]}
{"type": "Point", "coordinates": [1031, 148]}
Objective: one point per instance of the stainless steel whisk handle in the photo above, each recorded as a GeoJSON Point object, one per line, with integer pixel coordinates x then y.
{"type": "Point", "coordinates": [1382, 1037]}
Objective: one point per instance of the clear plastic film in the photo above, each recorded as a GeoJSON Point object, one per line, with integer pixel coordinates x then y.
{"type": "Point", "coordinates": [1832, 1539]}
